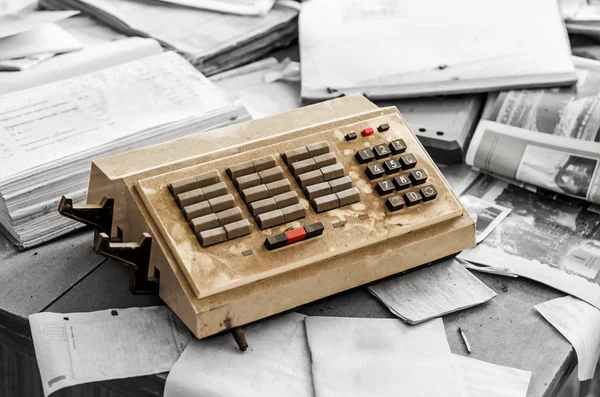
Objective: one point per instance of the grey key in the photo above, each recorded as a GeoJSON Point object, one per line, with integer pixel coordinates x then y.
{"type": "Point", "coordinates": [318, 148]}
{"type": "Point", "coordinates": [291, 156]}
{"type": "Point", "coordinates": [208, 178]}
{"type": "Point", "coordinates": [293, 212]}
{"type": "Point", "coordinates": [237, 170]}
{"type": "Point", "coordinates": [348, 196]}
{"type": "Point", "coordinates": [216, 190]}
{"type": "Point", "coordinates": [262, 206]}
{"type": "Point", "coordinates": [183, 185]}
{"type": "Point", "coordinates": [332, 171]}
{"type": "Point", "coordinates": [212, 237]}
{"type": "Point", "coordinates": [300, 167]}
{"type": "Point", "coordinates": [188, 198]}
{"type": "Point", "coordinates": [237, 229]}
{"type": "Point", "coordinates": [205, 222]}
{"type": "Point", "coordinates": [325, 160]}
{"type": "Point", "coordinates": [339, 184]}
{"type": "Point", "coordinates": [229, 216]}
{"type": "Point", "coordinates": [246, 181]}
{"type": "Point", "coordinates": [221, 203]}
{"type": "Point", "coordinates": [197, 210]}
{"type": "Point", "coordinates": [286, 199]}
{"type": "Point", "coordinates": [279, 187]}
{"type": "Point", "coordinates": [310, 178]}
{"type": "Point", "coordinates": [325, 203]}
{"type": "Point", "coordinates": [318, 190]}
{"type": "Point", "coordinates": [270, 219]}
{"type": "Point", "coordinates": [264, 163]}
{"type": "Point", "coordinates": [271, 175]}
{"type": "Point", "coordinates": [255, 193]}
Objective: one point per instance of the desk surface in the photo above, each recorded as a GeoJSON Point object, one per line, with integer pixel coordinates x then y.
{"type": "Point", "coordinates": [66, 276]}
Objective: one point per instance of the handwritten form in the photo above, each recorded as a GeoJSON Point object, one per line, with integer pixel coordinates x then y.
{"type": "Point", "coordinates": [78, 348]}
{"type": "Point", "coordinates": [276, 363]}
{"type": "Point", "coordinates": [93, 110]}
{"type": "Point", "coordinates": [579, 322]}
{"type": "Point", "coordinates": [431, 291]}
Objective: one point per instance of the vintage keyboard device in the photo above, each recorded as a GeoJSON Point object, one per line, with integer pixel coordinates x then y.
{"type": "Point", "coordinates": [240, 223]}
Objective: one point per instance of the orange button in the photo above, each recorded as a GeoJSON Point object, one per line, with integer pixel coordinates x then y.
{"type": "Point", "coordinates": [295, 235]}
{"type": "Point", "coordinates": [367, 131]}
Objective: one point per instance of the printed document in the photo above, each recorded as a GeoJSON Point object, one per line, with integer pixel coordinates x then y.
{"type": "Point", "coordinates": [77, 348]}
{"type": "Point", "coordinates": [276, 363]}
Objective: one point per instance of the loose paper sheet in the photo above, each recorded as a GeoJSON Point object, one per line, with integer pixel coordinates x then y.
{"type": "Point", "coordinates": [276, 363]}
{"type": "Point", "coordinates": [432, 291]}
{"type": "Point", "coordinates": [380, 357]}
{"type": "Point", "coordinates": [78, 348]}
{"type": "Point", "coordinates": [579, 322]}
{"type": "Point", "coordinates": [48, 38]}
{"type": "Point", "coordinates": [23, 21]}
{"type": "Point", "coordinates": [483, 379]}
{"type": "Point", "coordinates": [486, 215]}
{"type": "Point", "coordinates": [244, 7]}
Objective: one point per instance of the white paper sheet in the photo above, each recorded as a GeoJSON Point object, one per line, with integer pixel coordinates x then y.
{"type": "Point", "coordinates": [579, 322]}
{"type": "Point", "coordinates": [92, 58]}
{"type": "Point", "coordinates": [48, 38]}
{"type": "Point", "coordinates": [432, 291]}
{"type": "Point", "coordinates": [89, 30]}
{"type": "Point", "coordinates": [242, 7]}
{"type": "Point", "coordinates": [20, 64]}
{"type": "Point", "coordinates": [276, 363]}
{"type": "Point", "coordinates": [487, 215]}
{"type": "Point", "coordinates": [23, 21]}
{"type": "Point", "coordinates": [78, 348]}
{"type": "Point", "coordinates": [92, 110]}
{"type": "Point", "coordinates": [482, 379]}
{"type": "Point", "coordinates": [260, 97]}
{"type": "Point", "coordinates": [380, 357]}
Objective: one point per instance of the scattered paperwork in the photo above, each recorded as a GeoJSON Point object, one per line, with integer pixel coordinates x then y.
{"type": "Point", "coordinates": [92, 58]}
{"type": "Point", "coordinates": [579, 322]}
{"type": "Point", "coordinates": [47, 39]}
{"type": "Point", "coordinates": [60, 127]}
{"type": "Point", "coordinates": [265, 87]}
{"type": "Point", "coordinates": [383, 357]}
{"type": "Point", "coordinates": [77, 348]}
{"type": "Point", "coordinates": [485, 214]}
{"type": "Point", "coordinates": [276, 363]}
{"type": "Point", "coordinates": [213, 42]}
{"type": "Point", "coordinates": [11, 24]}
{"type": "Point", "coordinates": [431, 291]}
{"type": "Point", "coordinates": [388, 49]}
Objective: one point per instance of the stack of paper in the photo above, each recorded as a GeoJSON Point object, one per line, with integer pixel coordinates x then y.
{"type": "Point", "coordinates": [49, 134]}
{"type": "Point", "coordinates": [213, 42]}
{"type": "Point", "coordinates": [27, 38]}
{"type": "Point", "coordinates": [386, 49]}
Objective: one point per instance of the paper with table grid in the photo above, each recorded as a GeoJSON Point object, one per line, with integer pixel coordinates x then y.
{"type": "Point", "coordinates": [78, 348]}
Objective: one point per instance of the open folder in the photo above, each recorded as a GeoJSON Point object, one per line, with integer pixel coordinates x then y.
{"type": "Point", "coordinates": [391, 49]}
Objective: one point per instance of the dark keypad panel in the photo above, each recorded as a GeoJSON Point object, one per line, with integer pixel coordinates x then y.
{"type": "Point", "coordinates": [395, 161]}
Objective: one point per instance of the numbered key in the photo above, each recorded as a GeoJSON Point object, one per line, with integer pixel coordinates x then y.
{"type": "Point", "coordinates": [364, 155]}
{"type": "Point", "coordinates": [375, 171]}
{"type": "Point", "coordinates": [428, 192]}
{"type": "Point", "coordinates": [401, 182]}
{"type": "Point", "coordinates": [408, 161]}
{"type": "Point", "coordinates": [385, 187]}
{"type": "Point", "coordinates": [418, 177]}
{"type": "Point", "coordinates": [398, 146]}
{"type": "Point", "coordinates": [394, 203]}
{"type": "Point", "coordinates": [412, 198]}
{"type": "Point", "coordinates": [381, 151]}
{"type": "Point", "coordinates": [391, 166]}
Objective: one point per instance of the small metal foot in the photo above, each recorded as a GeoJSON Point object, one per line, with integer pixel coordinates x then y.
{"type": "Point", "coordinates": [240, 338]}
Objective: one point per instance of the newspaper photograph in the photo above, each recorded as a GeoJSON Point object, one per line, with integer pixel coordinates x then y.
{"type": "Point", "coordinates": [541, 239]}
{"type": "Point", "coordinates": [486, 215]}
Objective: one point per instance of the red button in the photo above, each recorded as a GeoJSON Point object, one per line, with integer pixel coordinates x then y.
{"type": "Point", "coordinates": [295, 235]}
{"type": "Point", "coordinates": [367, 131]}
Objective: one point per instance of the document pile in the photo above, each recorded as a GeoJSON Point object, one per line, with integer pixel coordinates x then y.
{"type": "Point", "coordinates": [49, 134]}
{"type": "Point", "coordinates": [28, 38]}
{"type": "Point", "coordinates": [387, 49]}
{"type": "Point", "coordinates": [213, 42]}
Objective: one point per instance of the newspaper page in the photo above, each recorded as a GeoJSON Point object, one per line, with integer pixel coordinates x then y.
{"type": "Point", "coordinates": [543, 239]}
{"type": "Point", "coordinates": [536, 137]}
{"type": "Point", "coordinates": [77, 348]}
